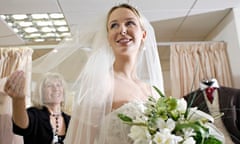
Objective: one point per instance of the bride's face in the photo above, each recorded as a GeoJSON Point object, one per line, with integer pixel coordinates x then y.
{"type": "Point", "coordinates": [125, 32]}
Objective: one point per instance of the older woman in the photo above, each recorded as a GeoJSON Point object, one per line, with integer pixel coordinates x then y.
{"type": "Point", "coordinates": [45, 122]}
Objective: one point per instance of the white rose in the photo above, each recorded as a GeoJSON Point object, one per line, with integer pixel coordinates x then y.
{"type": "Point", "coordinates": [138, 134]}
{"type": "Point", "coordinates": [182, 105]}
{"type": "Point", "coordinates": [189, 140]}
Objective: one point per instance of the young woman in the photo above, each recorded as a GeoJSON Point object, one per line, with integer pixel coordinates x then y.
{"type": "Point", "coordinates": [45, 122]}
{"type": "Point", "coordinates": [118, 77]}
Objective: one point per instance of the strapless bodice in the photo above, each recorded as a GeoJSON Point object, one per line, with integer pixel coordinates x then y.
{"type": "Point", "coordinates": [115, 130]}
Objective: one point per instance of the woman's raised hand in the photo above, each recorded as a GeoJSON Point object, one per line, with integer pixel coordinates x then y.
{"type": "Point", "coordinates": [15, 85]}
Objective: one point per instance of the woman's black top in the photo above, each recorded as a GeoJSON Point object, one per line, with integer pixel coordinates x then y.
{"type": "Point", "coordinates": [39, 130]}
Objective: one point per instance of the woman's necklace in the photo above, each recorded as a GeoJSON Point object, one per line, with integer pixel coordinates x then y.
{"type": "Point", "coordinates": [56, 138]}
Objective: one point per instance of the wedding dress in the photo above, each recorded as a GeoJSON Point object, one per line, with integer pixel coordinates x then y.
{"type": "Point", "coordinates": [118, 130]}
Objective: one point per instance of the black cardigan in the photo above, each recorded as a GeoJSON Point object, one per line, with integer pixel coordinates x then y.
{"type": "Point", "coordinates": [39, 130]}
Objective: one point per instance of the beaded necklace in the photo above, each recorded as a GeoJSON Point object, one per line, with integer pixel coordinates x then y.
{"type": "Point", "coordinates": [56, 137]}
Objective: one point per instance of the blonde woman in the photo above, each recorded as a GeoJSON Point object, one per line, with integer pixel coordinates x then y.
{"type": "Point", "coordinates": [117, 78]}
{"type": "Point", "coordinates": [45, 122]}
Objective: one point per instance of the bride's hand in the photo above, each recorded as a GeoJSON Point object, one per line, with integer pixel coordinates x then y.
{"type": "Point", "coordinates": [15, 85]}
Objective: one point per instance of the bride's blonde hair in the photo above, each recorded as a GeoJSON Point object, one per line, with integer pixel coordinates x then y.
{"type": "Point", "coordinates": [127, 6]}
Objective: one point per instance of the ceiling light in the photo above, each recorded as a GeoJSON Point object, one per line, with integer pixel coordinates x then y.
{"type": "Point", "coordinates": [65, 34]}
{"type": "Point", "coordinates": [68, 39]}
{"type": "Point", "coordinates": [15, 30]}
{"type": "Point", "coordinates": [38, 27]}
{"type": "Point", "coordinates": [40, 16]}
{"type": "Point", "coordinates": [10, 24]}
{"type": "Point", "coordinates": [39, 40]}
{"type": "Point", "coordinates": [58, 39]}
{"type": "Point", "coordinates": [19, 16]}
{"type": "Point", "coordinates": [48, 29]}
{"type": "Point", "coordinates": [3, 16]}
{"type": "Point", "coordinates": [62, 29]}
{"type": "Point", "coordinates": [30, 29]}
{"type": "Point", "coordinates": [44, 23]}
{"type": "Point", "coordinates": [59, 22]}
{"type": "Point", "coordinates": [49, 35]}
{"type": "Point", "coordinates": [56, 16]}
{"type": "Point", "coordinates": [33, 35]}
{"type": "Point", "coordinates": [25, 24]}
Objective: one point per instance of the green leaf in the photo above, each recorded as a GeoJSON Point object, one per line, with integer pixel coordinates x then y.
{"type": "Point", "coordinates": [212, 140]}
{"type": "Point", "coordinates": [172, 104]}
{"type": "Point", "coordinates": [201, 132]}
{"type": "Point", "coordinates": [125, 118]}
{"type": "Point", "coordinates": [158, 91]}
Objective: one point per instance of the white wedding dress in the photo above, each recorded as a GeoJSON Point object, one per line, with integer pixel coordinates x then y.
{"type": "Point", "coordinates": [118, 130]}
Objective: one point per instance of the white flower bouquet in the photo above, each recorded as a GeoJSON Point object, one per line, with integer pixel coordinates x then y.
{"type": "Point", "coordinates": [169, 120]}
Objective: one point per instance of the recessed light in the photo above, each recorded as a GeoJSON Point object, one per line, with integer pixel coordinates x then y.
{"type": "Point", "coordinates": [38, 27]}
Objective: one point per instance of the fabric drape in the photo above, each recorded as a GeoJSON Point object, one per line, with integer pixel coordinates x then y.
{"type": "Point", "coordinates": [12, 59]}
{"type": "Point", "coordinates": [191, 63]}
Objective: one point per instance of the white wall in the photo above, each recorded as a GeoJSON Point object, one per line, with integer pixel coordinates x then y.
{"type": "Point", "coordinates": [164, 54]}
{"type": "Point", "coordinates": [228, 31]}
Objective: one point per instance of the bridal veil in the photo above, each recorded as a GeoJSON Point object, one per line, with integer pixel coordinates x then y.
{"type": "Point", "coordinates": [86, 63]}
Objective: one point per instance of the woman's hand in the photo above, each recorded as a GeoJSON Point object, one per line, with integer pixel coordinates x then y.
{"type": "Point", "coordinates": [15, 88]}
{"type": "Point", "coordinates": [15, 85]}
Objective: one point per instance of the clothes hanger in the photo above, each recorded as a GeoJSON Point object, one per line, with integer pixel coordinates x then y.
{"type": "Point", "coordinates": [210, 82]}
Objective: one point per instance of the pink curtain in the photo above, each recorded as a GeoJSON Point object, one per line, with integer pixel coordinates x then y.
{"type": "Point", "coordinates": [190, 63]}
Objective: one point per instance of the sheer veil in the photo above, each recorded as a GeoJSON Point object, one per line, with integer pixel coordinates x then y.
{"type": "Point", "coordinates": [92, 83]}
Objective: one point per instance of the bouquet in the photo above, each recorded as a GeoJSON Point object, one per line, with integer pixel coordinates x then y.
{"type": "Point", "coordinates": [169, 120]}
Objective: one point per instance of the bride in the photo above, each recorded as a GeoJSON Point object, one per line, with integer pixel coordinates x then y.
{"type": "Point", "coordinates": [117, 78]}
